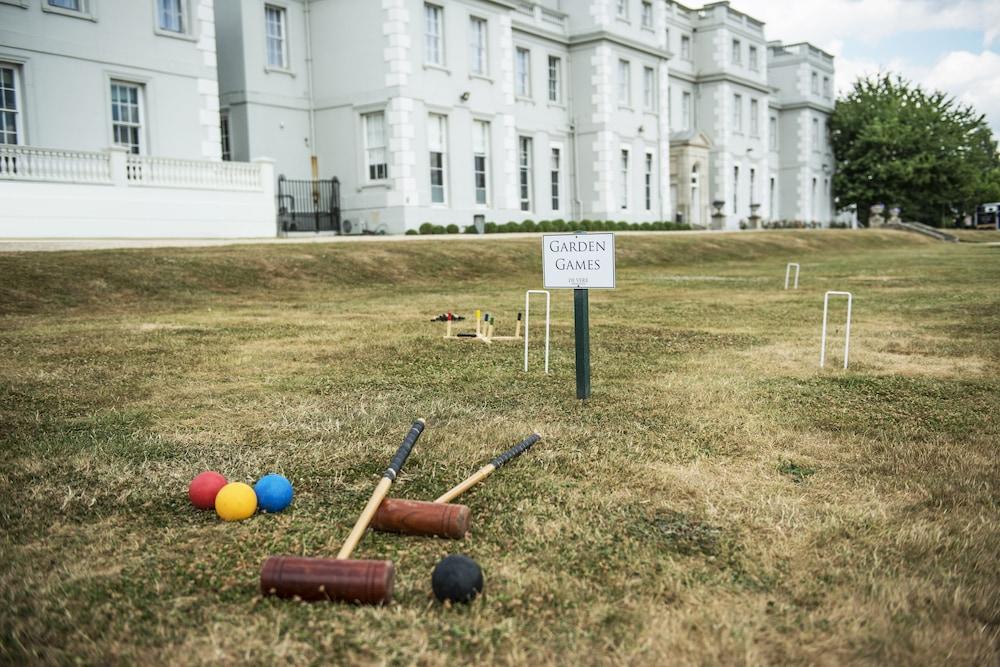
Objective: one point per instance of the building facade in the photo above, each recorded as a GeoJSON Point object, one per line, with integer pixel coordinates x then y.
{"type": "Point", "coordinates": [441, 111]}
{"type": "Point", "coordinates": [110, 126]}
{"type": "Point", "coordinates": [87, 74]}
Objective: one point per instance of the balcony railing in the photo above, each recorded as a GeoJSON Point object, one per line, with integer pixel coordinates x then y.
{"type": "Point", "coordinates": [169, 172]}
{"type": "Point", "coordinates": [116, 167]}
{"type": "Point", "coordinates": [25, 163]}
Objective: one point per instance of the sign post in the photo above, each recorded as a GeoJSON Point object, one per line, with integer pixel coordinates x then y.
{"type": "Point", "coordinates": [580, 262]}
{"type": "Point", "coordinates": [581, 324]}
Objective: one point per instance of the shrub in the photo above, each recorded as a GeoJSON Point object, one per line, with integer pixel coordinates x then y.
{"type": "Point", "coordinates": [646, 226]}
{"type": "Point", "coordinates": [623, 226]}
{"type": "Point", "coordinates": [437, 229]}
{"type": "Point", "coordinates": [412, 232]}
{"type": "Point", "coordinates": [452, 229]}
{"type": "Point", "coordinates": [469, 229]}
{"type": "Point", "coordinates": [585, 225]}
{"type": "Point", "coordinates": [491, 228]}
{"type": "Point", "coordinates": [426, 228]}
{"type": "Point", "coordinates": [559, 226]}
{"type": "Point", "coordinates": [511, 227]}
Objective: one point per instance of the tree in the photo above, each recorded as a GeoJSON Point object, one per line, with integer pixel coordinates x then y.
{"type": "Point", "coordinates": [898, 144]}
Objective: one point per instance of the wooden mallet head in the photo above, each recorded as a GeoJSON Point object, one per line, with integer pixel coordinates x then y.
{"type": "Point", "coordinates": [342, 579]}
{"type": "Point", "coordinates": [441, 518]}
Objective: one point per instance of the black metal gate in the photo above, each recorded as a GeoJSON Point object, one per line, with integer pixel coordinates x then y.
{"type": "Point", "coordinates": [308, 206]}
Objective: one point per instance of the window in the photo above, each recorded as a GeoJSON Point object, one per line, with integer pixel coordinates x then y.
{"type": "Point", "coordinates": [666, 38]}
{"type": "Point", "coordinates": [647, 15]}
{"type": "Point", "coordinates": [524, 145]}
{"type": "Point", "coordinates": [624, 83]}
{"type": "Point", "coordinates": [685, 47]}
{"type": "Point", "coordinates": [227, 154]}
{"type": "Point", "coordinates": [170, 15]}
{"type": "Point", "coordinates": [772, 202]}
{"type": "Point", "coordinates": [649, 88]}
{"type": "Point", "coordinates": [686, 111]}
{"type": "Point", "coordinates": [737, 113]}
{"type": "Point", "coordinates": [277, 48]}
{"type": "Point", "coordinates": [622, 10]}
{"type": "Point", "coordinates": [754, 61]}
{"type": "Point", "coordinates": [480, 158]}
{"type": "Point", "coordinates": [754, 118]}
{"type": "Point", "coordinates": [10, 107]}
{"type": "Point", "coordinates": [815, 134]}
{"type": "Point", "coordinates": [815, 83]}
{"type": "Point", "coordinates": [126, 116]}
{"type": "Point", "coordinates": [376, 158]}
{"type": "Point", "coordinates": [437, 145]}
{"type": "Point", "coordinates": [824, 136]}
{"type": "Point", "coordinates": [773, 132]}
{"type": "Point", "coordinates": [753, 187]}
{"type": "Point", "coordinates": [736, 189]}
{"type": "Point", "coordinates": [737, 55]}
{"type": "Point", "coordinates": [522, 72]}
{"type": "Point", "coordinates": [555, 168]}
{"type": "Point", "coordinates": [624, 179]}
{"type": "Point", "coordinates": [433, 40]}
{"type": "Point", "coordinates": [648, 179]}
{"type": "Point", "coordinates": [72, 5]}
{"type": "Point", "coordinates": [478, 61]}
{"type": "Point", "coordinates": [555, 74]}
{"type": "Point", "coordinates": [826, 86]}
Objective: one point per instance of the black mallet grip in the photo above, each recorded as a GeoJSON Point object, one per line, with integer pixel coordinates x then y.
{"type": "Point", "coordinates": [404, 450]}
{"type": "Point", "coordinates": [516, 450]}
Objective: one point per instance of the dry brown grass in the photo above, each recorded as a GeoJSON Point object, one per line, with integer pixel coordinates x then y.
{"type": "Point", "coordinates": [721, 500]}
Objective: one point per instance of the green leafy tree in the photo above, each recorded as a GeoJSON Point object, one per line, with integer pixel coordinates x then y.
{"type": "Point", "coordinates": [898, 144]}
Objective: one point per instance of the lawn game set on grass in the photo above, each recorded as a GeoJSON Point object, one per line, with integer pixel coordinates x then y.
{"type": "Point", "coordinates": [577, 262]}
{"type": "Point", "coordinates": [456, 578]}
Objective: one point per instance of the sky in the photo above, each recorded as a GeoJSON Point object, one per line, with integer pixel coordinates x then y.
{"type": "Point", "coordinates": [948, 45]}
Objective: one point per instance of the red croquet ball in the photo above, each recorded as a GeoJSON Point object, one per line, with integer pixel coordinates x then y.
{"type": "Point", "coordinates": [204, 488]}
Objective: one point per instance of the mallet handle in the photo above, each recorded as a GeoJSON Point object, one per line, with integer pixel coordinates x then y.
{"type": "Point", "coordinates": [382, 490]}
{"type": "Point", "coordinates": [487, 470]}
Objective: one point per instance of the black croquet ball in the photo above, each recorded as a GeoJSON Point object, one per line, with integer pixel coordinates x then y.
{"type": "Point", "coordinates": [457, 578]}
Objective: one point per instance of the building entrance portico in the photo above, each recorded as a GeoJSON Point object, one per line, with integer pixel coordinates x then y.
{"type": "Point", "coordinates": [689, 168]}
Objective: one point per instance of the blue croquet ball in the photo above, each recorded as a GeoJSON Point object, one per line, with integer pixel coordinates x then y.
{"type": "Point", "coordinates": [274, 493]}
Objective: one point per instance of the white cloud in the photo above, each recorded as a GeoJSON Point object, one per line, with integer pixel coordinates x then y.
{"type": "Point", "coordinates": [973, 79]}
{"type": "Point", "coordinates": [826, 22]}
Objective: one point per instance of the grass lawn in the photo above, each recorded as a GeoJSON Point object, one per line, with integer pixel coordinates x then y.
{"type": "Point", "coordinates": [720, 500]}
{"type": "Point", "coordinates": [976, 235]}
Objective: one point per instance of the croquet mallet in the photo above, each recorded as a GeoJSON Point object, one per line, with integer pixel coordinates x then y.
{"type": "Point", "coordinates": [441, 518]}
{"type": "Point", "coordinates": [342, 579]}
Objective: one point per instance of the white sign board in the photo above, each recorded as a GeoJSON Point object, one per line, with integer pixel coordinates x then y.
{"type": "Point", "coordinates": [578, 261]}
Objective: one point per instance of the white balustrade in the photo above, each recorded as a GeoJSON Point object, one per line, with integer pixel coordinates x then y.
{"type": "Point", "coordinates": [170, 172]}
{"type": "Point", "coordinates": [25, 163]}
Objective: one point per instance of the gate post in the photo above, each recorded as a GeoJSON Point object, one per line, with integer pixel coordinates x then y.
{"type": "Point", "coordinates": [335, 205]}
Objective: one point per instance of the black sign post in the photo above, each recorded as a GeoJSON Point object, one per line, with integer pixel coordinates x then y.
{"type": "Point", "coordinates": [581, 325]}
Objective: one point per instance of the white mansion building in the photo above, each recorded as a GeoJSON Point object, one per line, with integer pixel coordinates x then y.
{"type": "Point", "coordinates": [436, 111]}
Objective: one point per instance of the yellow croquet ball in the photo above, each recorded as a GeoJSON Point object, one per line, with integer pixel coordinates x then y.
{"type": "Point", "coordinates": [236, 501]}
